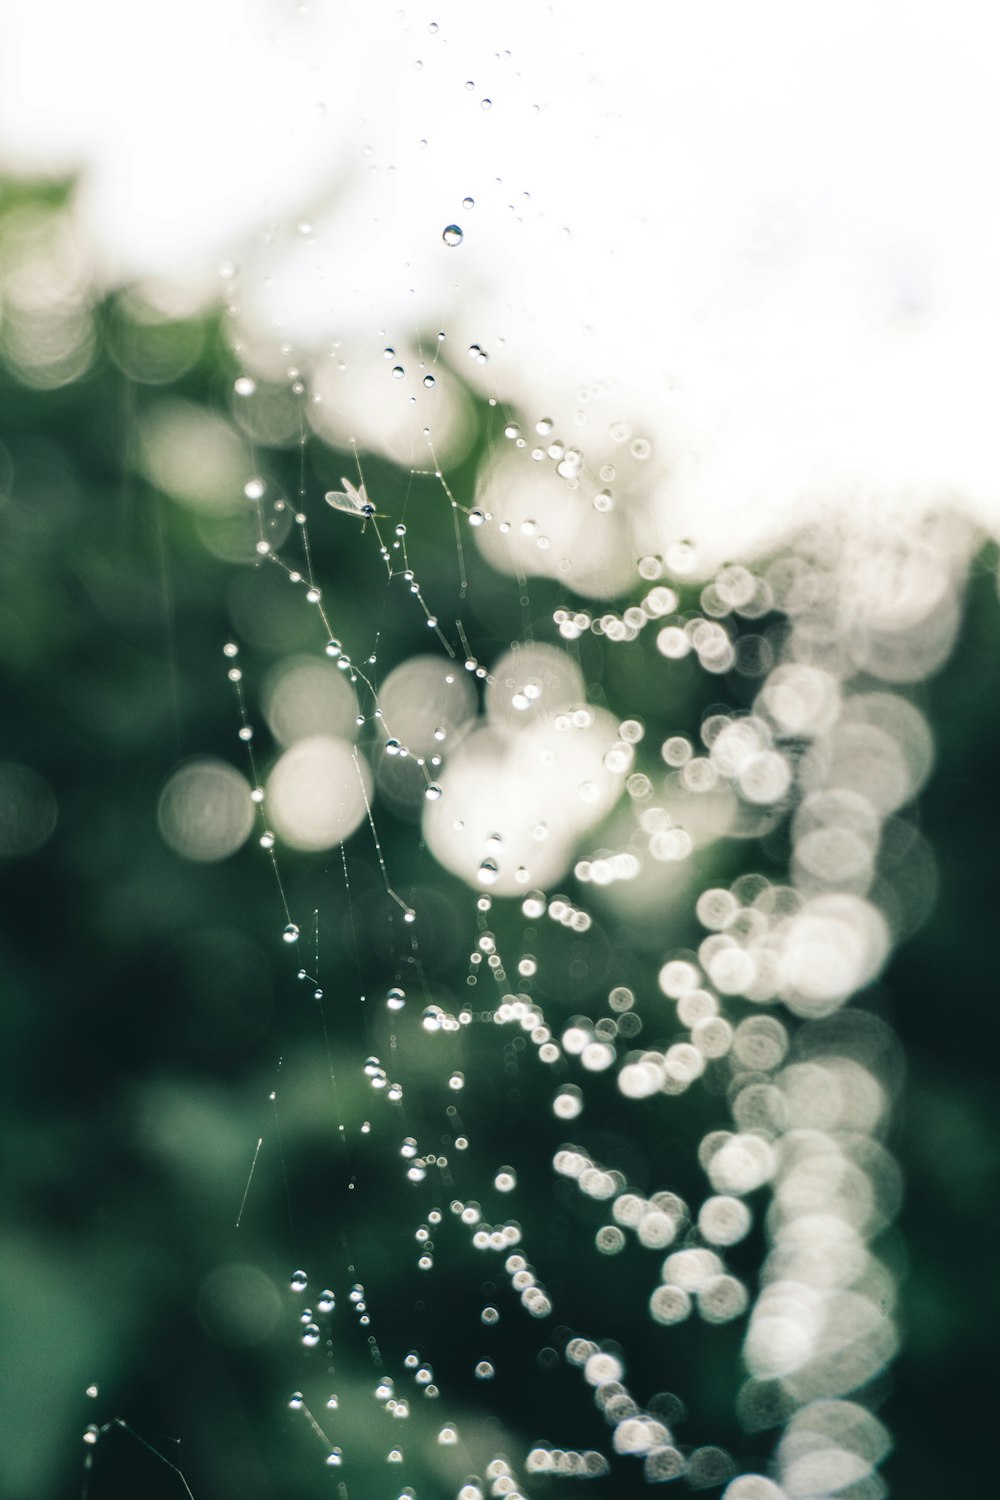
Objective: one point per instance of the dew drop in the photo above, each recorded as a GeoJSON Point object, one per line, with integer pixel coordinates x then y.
{"type": "Point", "coordinates": [452, 235]}
{"type": "Point", "coordinates": [244, 386]}
{"type": "Point", "coordinates": [254, 488]}
{"type": "Point", "coordinates": [291, 933]}
{"type": "Point", "coordinates": [333, 647]}
{"type": "Point", "coordinates": [298, 1281]}
{"type": "Point", "coordinates": [432, 792]}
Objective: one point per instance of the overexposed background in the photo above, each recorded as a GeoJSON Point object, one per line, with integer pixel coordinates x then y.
{"type": "Point", "coordinates": [764, 233]}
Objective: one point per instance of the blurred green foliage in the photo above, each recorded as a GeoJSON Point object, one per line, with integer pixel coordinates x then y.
{"type": "Point", "coordinates": [149, 1009]}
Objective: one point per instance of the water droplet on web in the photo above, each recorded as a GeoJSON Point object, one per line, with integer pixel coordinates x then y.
{"type": "Point", "coordinates": [334, 1458]}
{"type": "Point", "coordinates": [291, 933]}
{"type": "Point", "coordinates": [91, 1434]}
{"type": "Point", "coordinates": [489, 874]}
{"type": "Point", "coordinates": [398, 372]}
{"type": "Point", "coordinates": [506, 1180]}
{"type": "Point", "coordinates": [429, 382]}
{"type": "Point", "coordinates": [298, 1281]}
{"type": "Point", "coordinates": [456, 1081]}
{"type": "Point", "coordinates": [432, 792]}
{"type": "Point", "coordinates": [310, 1335]}
{"type": "Point", "coordinates": [476, 517]}
{"type": "Point", "coordinates": [396, 998]}
{"type": "Point", "coordinates": [332, 1402]}
{"type": "Point", "coordinates": [244, 386]}
{"type": "Point", "coordinates": [91, 1391]}
{"type": "Point", "coordinates": [326, 1301]}
{"type": "Point", "coordinates": [254, 488]}
{"type": "Point", "coordinates": [452, 235]}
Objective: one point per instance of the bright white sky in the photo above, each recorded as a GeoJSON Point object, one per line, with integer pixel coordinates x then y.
{"type": "Point", "coordinates": [771, 227]}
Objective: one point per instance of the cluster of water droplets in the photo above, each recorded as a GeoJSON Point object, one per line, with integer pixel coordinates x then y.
{"type": "Point", "coordinates": [538, 782]}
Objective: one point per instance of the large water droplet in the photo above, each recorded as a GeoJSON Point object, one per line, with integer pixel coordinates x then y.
{"type": "Point", "coordinates": [452, 235]}
{"type": "Point", "coordinates": [291, 933]}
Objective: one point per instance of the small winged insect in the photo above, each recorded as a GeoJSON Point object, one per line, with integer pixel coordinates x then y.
{"type": "Point", "coordinates": [353, 501]}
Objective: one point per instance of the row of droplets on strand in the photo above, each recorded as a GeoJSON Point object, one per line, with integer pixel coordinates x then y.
{"type": "Point", "coordinates": [396, 997]}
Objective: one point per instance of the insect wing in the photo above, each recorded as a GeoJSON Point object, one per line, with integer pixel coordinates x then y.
{"type": "Point", "coordinates": [354, 502]}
